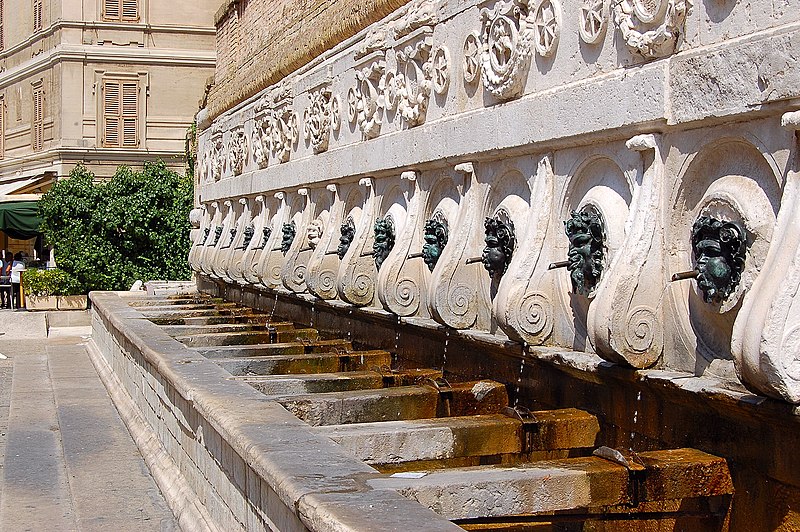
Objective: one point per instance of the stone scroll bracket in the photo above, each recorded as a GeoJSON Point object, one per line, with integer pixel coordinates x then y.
{"type": "Point", "coordinates": [455, 285]}
{"type": "Point", "coordinates": [402, 284]}
{"type": "Point", "coordinates": [625, 320]}
{"type": "Point", "coordinates": [293, 272]}
{"type": "Point", "coordinates": [357, 273]}
{"type": "Point", "coordinates": [522, 309]}
{"type": "Point", "coordinates": [324, 263]}
{"type": "Point", "coordinates": [271, 257]}
{"type": "Point", "coordinates": [766, 335]}
{"type": "Point", "coordinates": [223, 241]}
{"type": "Point", "coordinates": [239, 269]}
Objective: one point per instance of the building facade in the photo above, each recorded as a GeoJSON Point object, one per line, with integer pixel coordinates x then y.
{"type": "Point", "coordinates": [101, 83]}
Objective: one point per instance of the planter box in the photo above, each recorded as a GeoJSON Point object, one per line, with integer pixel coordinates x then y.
{"type": "Point", "coordinates": [41, 302]}
{"type": "Point", "coordinates": [72, 302]}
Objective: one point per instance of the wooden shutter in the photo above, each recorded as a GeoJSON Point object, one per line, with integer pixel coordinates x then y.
{"type": "Point", "coordinates": [111, 108]}
{"type": "Point", "coordinates": [37, 15]}
{"type": "Point", "coordinates": [130, 113]}
{"type": "Point", "coordinates": [120, 113]}
{"type": "Point", "coordinates": [37, 127]}
{"type": "Point", "coordinates": [130, 10]}
{"type": "Point", "coordinates": [2, 38]}
{"type": "Point", "coordinates": [111, 9]}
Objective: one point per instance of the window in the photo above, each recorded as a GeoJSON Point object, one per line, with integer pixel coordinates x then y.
{"type": "Point", "coordinates": [122, 10]}
{"type": "Point", "coordinates": [37, 124]}
{"type": "Point", "coordinates": [37, 15]}
{"type": "Point", "coordinates": [120, 113]}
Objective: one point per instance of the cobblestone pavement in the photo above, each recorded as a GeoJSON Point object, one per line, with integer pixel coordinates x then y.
{"type": "Point", "coordinates": [67, 462]}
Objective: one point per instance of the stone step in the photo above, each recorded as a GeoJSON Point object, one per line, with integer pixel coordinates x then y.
{"type": "Point", "coordinates": [285, 333]}
{"type": "Point", "coordinates": [561, 485]}
{"type": "Point", "coordinates": [395, 443]}
{"type": "Point", "coordinates": [305, 363]}
{"type": "Point", "coordinates": [219, 319]}
{"type": "Point", "coordinates": [188, 306]}
{"type": "Point", "coordinates": [284, 385]}
{"type": "Point", "coordinates": [396, 404]}
{"type": "Point", "coordinates": [284, 348]}
{"type": "Point", "coordinates": [186, 330]}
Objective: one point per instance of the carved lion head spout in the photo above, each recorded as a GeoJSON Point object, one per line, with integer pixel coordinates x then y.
{"type": "Point", "coordinates": [500, 241]}
{"type": "Point", "coordinates": [586, 249]}
{"type": "Point", "coordinates": [289, 231]}
{"type": "Point", "coordinates": [719, 249]}
{"type": "Point", "coordinates": [384, 240]}
{"type": "Point", "coordinates": [435, 241]}
{"type": "Point", "coordinates": [348, 232]}
{"type": "Point", "coordinates": [314, 233]}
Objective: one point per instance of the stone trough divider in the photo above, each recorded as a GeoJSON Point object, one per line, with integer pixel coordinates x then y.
{"type": "Point", "coordinates": [226, 456]}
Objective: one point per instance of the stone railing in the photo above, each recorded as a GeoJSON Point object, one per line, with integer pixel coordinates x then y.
{"type": "Point", "coordinates": [537, 170]}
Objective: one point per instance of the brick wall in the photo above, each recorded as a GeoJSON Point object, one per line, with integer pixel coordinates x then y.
{"type": "Point", "coordinates": [261, 41]}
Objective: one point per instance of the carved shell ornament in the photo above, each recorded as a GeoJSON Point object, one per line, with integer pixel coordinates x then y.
{"type": "Point", "coordinates": [547, 27]}
{"type": "Point", "coordinates": [506, 44]}
{"type": "Point", "coordinates": [472, 59]}
{"type": "Point", "coordinates": [593, 20]}
{"type": "Point", "coordinates": [651, 27]}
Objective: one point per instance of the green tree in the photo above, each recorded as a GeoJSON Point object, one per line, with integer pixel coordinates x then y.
{"type": "Point", "coordinates": [108, 234]}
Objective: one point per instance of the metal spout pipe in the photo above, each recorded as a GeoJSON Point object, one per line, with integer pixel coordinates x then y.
{"type": "Point", "coordinates": [691, 274]}
{"type": "Point", "coordinates": [559, 264]}
{"type": "Point", "coordinates": [368, 253]}
{"type": "Point", "coordinates": [332, 252]}
{"type": "Point", "coordinates": [473, 260]}
{"type": "Point", "coordinates": [415, 255]}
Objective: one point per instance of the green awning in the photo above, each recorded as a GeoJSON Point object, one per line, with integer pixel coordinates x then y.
{"type": "Point", "coordinates": [20, 219]}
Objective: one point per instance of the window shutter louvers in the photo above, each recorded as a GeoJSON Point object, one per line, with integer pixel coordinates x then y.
{"type": "Point", "coordinates": [121, 114]}
{"type": "Point", "coordinates": [130, 10]}
{"type": "Point", "coordinates": [111, 9]}
{"type": "Point", "coordinates": [37, 126]}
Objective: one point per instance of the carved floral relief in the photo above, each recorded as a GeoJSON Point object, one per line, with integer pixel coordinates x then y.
{"type": "Point", "coordinates": [651, 28]}
{"type": "Point", "coordinates": [507, 40]}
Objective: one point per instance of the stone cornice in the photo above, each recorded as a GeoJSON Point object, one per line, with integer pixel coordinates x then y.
{"type": "Point", "coordinates": [101, 54]}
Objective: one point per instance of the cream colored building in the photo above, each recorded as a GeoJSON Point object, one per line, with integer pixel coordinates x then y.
{"type": "Point", "coordinates": [97, 82]}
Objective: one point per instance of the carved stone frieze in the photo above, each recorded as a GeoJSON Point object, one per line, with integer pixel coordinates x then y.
{"type": "Point", "coordinates": [237, 150]}
{"type": "Point", "coordinates": [651, 28]}
{"type": "Point", "coordinates": [413, 81]}
{"type": "Point", "coordinates": [260, 140]}
{"type": "Point", "coordinates": [320, 118]}
{"type": "Point", "coordinates": [507, 40]}
{"type": "Point", "coordinates": [283, 132]}
{"type": "Point", "coordinates": [365, 101]}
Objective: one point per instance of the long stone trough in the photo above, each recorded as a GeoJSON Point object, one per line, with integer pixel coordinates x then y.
{"type": "Point", "coordinates": [273, 427]}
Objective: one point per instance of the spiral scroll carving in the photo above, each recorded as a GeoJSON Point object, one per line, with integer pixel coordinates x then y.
{"type": "Point", "coordinates": [327, 284]}
{"type": "Point", "coordinates": [461, 299]}
{"type": "Point", "coordinates": [299, 274]}
{"type": "Point", "coordinates": [407, 293]}
{"type": "Point", "coordinates": [639, 329]}
{"type": "Point", "coordinates": [363, 287]}
{"type": "Point", "coordinates": [275, 274]}
{"type": "Point", "coordinates": [536, 316]}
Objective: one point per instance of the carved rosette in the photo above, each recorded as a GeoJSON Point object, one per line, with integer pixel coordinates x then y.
{"type": "Point", "coordinates": [440, 64]}
{"type": "Point", "coordinates": [319, 119]}
{"type": "Point", "coordinates": [593, 20]}
{"type": "Point", "coordinates": [472, 57]}
{"type": "Point", "coordinates": [507, 38]}
{"type": "Point", "coordinates": [547, 26]}
{"type": "Point", "coordinates": [651, 28]}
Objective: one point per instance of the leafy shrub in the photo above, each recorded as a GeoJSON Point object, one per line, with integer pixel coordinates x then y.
{"type": "Point", "coordinates": [50, 283]}
{"type": "Point", "coordinates": [108, 234]}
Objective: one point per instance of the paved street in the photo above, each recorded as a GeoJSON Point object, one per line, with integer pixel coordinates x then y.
{"type": "Point", "coordinates": [67, 461]}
